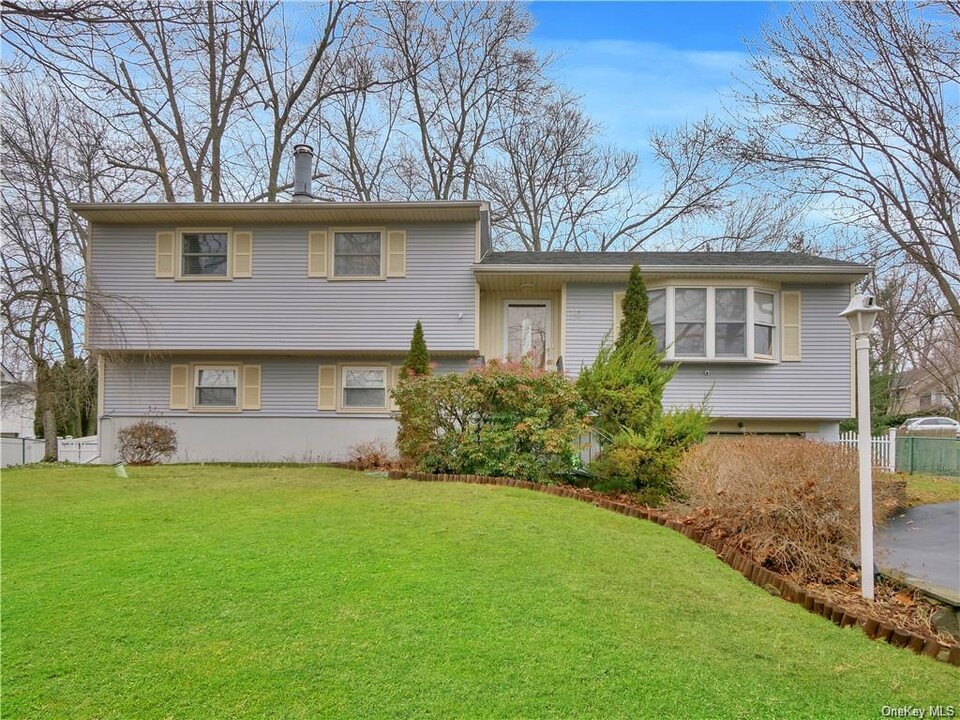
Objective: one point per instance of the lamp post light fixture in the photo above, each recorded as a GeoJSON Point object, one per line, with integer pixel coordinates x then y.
{"type": "Point", "coordinates": [861, 313]}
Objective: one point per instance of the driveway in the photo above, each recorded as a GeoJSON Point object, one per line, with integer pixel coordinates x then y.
{"type": "Point", "coordinates": [922, 546]}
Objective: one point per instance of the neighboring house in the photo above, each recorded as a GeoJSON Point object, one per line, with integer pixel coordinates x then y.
{"type": "Point", "coordinates": [921, 391]}
{"type": "Point", "coordinates": [18, 401]}
{"type": "Point", "coordinates": [275, 331]}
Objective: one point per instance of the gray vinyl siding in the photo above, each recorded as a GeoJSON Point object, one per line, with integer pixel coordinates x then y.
{"type": "Point", "coordinates": [287, 428]}
{"type": "Point", "coordinates": [280, 307]}
{"type": "Point", "coordinates": [288, 386]}
{"type": "Point", "coordinates": [818, 386]}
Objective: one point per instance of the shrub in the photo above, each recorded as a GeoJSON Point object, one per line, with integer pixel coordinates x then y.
{"type": "Point", "coordinates": [417, 361]}
{"type": "Point", "coordinates": [625, 387]}
{"type": "Point", "coordinates": [506, 419]}
{"type": "Point", "coordinates": [146, 442]}
{"type": "Point", "coordinates": [635, 323]}
{"type": "Point", "coordinates": [376, 454]}
{"type": "Point", "coordinates": [793, 504]}
{"type": "Point", "coordinates": [644, 462]}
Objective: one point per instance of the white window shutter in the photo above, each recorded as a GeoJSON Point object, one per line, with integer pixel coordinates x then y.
{"type": "Point", "coordinates": [251, 388]}
{"type": "Point", "coordinates": [790, 331]}
{"type": "Point", "coordinates": [179, 387]}
{"type": "Point", "coordinates": [327, 388]}
{"type": "Point", "coordinates": [243, 254]}
{"type": "Point", "coordinates": [317, 252]}
{"type": "Point", "coordinates": [396, 253]}
{"type": "Point", "coordinates": [165, 265]}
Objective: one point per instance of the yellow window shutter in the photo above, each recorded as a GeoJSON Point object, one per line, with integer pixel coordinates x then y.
{"type": "Point", "coordinates": [179, 387]}
{"type": "Point", "coordinates": [243, 254]}
{"type": "Point", "coordinates": [327, 388]}
{"type": "Point", "coordinates": [617, 313]}
{"type": "Point", "coordinates": [790, 321]}
{"type": "Point", "coordinates": [397, 253]}
{"type": "Point", "coordinates": [165, 254]}
{"type": "Point", "coordinates": [251, 388]}
{"type": "Point", "coordinates": [317, 254]}
{"type": "Point", "coordinates": [396, 374]}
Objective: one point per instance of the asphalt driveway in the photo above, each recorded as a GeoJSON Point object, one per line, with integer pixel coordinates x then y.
{"type": "Point", "coordinates": [922, 546]}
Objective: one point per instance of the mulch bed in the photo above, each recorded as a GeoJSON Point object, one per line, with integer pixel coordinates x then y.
{"type": "Point", "coordinates": [897, 616]}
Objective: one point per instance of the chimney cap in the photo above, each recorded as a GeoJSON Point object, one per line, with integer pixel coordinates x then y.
{"type": "Point", "coordinates": [302, 148]}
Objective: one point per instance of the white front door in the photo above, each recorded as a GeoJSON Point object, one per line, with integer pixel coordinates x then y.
{"type": "Point", "coordinates": [526, 331]}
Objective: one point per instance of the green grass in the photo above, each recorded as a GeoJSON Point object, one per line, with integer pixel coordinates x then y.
{"type": "Point", "coordinates": [199, 592]}
{"type": "Point", "coordinates": [929, 489]}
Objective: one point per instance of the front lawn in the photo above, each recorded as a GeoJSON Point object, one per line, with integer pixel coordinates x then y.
{"type": "Point", "coordinates": [213, 592]}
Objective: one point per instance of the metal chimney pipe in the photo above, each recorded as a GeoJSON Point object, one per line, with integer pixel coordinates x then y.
{"type": "Point", "coordinates": [302, 170]}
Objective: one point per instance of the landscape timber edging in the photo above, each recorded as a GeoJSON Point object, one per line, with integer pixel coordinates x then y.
{"type": "Point", "coordinates": [772, 582]}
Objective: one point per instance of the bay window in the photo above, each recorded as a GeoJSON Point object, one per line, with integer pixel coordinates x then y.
{"type": "Point", "coordinates": [690, 325]}
{"type": "Point", "coordinates": [763, 323]}
{"type": "Point", "coordinates": [722, 323]}
{"type": "Point", "coordinates": [657, 314]}
{"type": "Point", "coordinates": [730, 327]}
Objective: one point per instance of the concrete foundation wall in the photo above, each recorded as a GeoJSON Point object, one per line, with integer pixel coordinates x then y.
{"type": "Point", "coordinates": [245, 438]}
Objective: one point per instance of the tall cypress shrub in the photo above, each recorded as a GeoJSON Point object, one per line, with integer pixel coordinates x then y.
{"type": "Point", "coordinates": [417, 361]}
{"type": "Point", "coordinates": [634, 324]}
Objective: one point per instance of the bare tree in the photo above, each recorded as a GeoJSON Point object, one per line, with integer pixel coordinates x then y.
{"type": "Point", "coordinates": [291, 84]}
{"type": "Point", "coordinates": [358, 149]}
{"type": "Point", "coordinates": [551, 184]}
{"type": "Point", "coordinates": [461, 63]}
{"type": "Point", "coordinates": [698, 175]}
{"type": "Point", "coordinates": [857, 102]}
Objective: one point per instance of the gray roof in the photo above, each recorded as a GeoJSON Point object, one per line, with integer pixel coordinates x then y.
{"type": "Point", "coordinates": [668, 259]}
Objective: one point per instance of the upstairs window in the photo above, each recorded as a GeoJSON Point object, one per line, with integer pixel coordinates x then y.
{"type": "Point", "coordinates": [722, 323]}
{"type": "Point", "coordinates": [691, 322]}
{"type": "Point", "coordinates": [657, 315]}
{"type": "Point", "coordinates": [730, 311]}
{"type": "Point", "coordinates": [204, 254]}
{"type": "Point", "coordinates": [358, 254]}
{"type": "Point", "coordinates": [763, 323]}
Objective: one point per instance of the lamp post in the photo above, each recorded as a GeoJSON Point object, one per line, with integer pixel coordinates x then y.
{"type": "Point", "coordinates": [861, 313]}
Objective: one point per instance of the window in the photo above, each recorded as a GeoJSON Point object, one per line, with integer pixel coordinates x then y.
{"type": "Point", "coordinates": [215, 387]}
{"type": "Point", "coordinates": [526, 332]}
{"type": "Point", "coordinates": [730, 329]}
{"type": "Point", "coordinates": [722, 323]}
{"type": "Point", "coordinates": [657, 315]}
{"type": "Point", "coordinates": [364, 388]}
{"type": "Point", "coordinates": [358, 254]}
{"type": "Point", "coordinates": [763, 323]}
{"type": "Point", "coordinates": [204, 254]}
{"type": "Point", "coordinates": [691, 322]}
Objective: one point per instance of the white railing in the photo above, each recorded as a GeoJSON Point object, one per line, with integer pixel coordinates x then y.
{"type": "Point", "coordinates": [78, 450]}
{"type": "Point", "coordinates": [883, 448]}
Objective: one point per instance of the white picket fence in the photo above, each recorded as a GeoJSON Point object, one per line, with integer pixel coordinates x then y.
{"type": "Point", "coordinates": [883, 448]}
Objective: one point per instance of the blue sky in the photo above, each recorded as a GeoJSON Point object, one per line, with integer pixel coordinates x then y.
{"type": "Point", "coordinates": [643, 65]}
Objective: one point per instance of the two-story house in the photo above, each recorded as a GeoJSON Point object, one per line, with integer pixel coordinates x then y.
{"type": "Point", "coordinates": [275, 331]}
